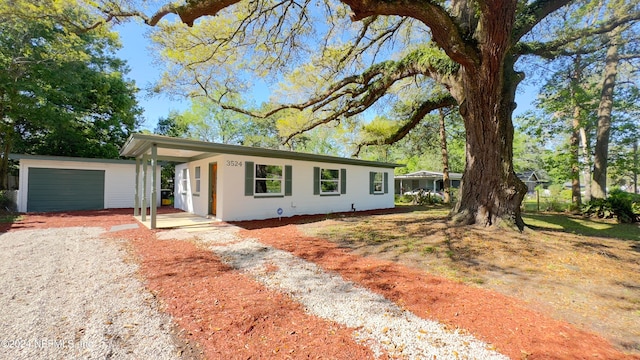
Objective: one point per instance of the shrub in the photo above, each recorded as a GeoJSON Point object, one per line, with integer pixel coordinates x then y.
{"type": "Point", "coordinates": [403, 199]}
{"type": "Point", "coordinates": [566, 195]}
{"type": "Point", "coordinates": [427, 198]}
{"type": "Point", "coordinates": [554, 190]}
{"type": "Point", "coordinates": [556, 205]}
{"type": "Point", "coordinates": [6, 201]}
{"type": "Point", "coordinates": [623, 206]}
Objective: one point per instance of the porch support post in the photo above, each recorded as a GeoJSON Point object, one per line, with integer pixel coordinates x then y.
{"type": "Point", "coordinates": [154, 181]}
{"type": "Point", "coordinates": [136, 200]}
{"type": "Point", "coordinates": [144, 187]}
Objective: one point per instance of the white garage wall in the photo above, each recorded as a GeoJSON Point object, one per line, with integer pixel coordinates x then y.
{"type": "Point", "coordinates": [233, 205]}
{"type": "Point", "coordinates": [119, 178]}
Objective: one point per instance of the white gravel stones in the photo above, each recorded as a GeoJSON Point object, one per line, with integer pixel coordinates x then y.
{"type": "Point", "coordinates": [68, 294]}
{"type": "Point", "coordinates": [381, 324]}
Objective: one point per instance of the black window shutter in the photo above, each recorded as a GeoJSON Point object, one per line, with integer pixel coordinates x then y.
{"type": "Point", "coordinates": [316, 181]}
{"type": "Point", "coordinates": [288, 180]}
{"type": "Point", "coordinates": [248, 178]}
{"type": "Point", "coordinates": [343, 181]}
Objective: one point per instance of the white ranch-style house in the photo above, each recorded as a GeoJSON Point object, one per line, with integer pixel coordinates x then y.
{"type": "Point", "coordinates": [234, 183]}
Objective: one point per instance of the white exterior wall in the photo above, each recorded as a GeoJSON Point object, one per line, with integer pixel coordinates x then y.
{"type": "Point", "coordinates": [119, 180]}
{"type": "Point", "coordinates": [233, 205]}
{"type": "Point", "coordinates": [185, 196]}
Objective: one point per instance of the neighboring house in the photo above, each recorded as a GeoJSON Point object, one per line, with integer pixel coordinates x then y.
{"type": "Point", "coordinates": [231, 182]}
{"type": "Point", "coordinates": [531, 179]}
{"type": "Point", "coordinates": [57, 183]}
{"type": "Point", "coordinates": [423, 179]}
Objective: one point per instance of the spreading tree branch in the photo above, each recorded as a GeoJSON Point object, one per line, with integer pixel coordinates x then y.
{"type": "Point", "coordinates": [415, 118]}
{"type": "Point", "coordinates": [533, 14]}
{"type": "Point", "coordinates": [553, 48]}
{"type": "Point", "coordinates": [444, 29]}
{"type": "Point", "coordinates": [355, 94]}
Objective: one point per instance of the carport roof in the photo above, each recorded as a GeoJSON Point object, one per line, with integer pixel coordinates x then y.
{"type": "Point", "coordinates": [185, 150]}
{"type": "Point", "coordinates": [425, 174]}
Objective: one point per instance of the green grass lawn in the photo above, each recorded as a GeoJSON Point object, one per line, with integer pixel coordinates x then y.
{"type": "Point", "coordinates": [582, 226]}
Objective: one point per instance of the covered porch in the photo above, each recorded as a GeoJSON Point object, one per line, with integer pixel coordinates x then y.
{"type": "Point", "coordinates": [182, 220]}
{"type": "Point", "coordinates": [148, 150]}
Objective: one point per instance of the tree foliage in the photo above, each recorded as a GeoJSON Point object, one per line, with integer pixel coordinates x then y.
{"type": "Point", "coordinates": [574, 102]}
{"type": "Point", "coordinates": [62, 91]}
{"type": "Point", "coordinates": [457, 52]}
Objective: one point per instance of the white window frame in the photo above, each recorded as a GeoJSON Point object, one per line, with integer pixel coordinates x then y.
{"type": "Point", "coordinates": [184, 179]}
{"type": "Point", "coordinates": [279, 179]}
{"type": "Point", "coordinates": [376, 181]}
{"type": "Point", "coordinates": [336, 181]}
{"type": "Point", "coordinates": [197, 180]}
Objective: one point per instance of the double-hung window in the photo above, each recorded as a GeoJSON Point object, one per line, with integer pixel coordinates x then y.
{"type": "Point", "coordinates": [378, 183]}
{"type": "Point", "coordinates": [329, 181]}
{"type": "Point", "coordinates": [184, 180]}
{"type": "Point", "coordinates": [268, 179]}
{"type": "Point", "coordinates": [197, 178]}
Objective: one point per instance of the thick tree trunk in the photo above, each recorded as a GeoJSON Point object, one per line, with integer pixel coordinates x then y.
{"type": "Point", "coordinates": [490, 192]}
{"type": "Point", "coordinates": [446, 182]}
{"type": "Point", "coordinates": [601, 151]}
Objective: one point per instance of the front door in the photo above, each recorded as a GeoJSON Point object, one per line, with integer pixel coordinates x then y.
{"type": "Point", "coordinates": [213, 184]}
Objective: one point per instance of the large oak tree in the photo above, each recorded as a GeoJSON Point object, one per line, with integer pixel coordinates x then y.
{"type": "Point", "coordinates": [470, 49]}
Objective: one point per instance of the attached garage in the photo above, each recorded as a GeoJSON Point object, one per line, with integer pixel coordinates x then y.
{"type": "Point", "coordinates": [55, 183]}
{"type": "Point", "coordinates": [53, 189]}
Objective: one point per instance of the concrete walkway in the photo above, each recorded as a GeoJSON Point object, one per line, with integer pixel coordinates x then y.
{"type": "Point", "coordinates": [183, 220]}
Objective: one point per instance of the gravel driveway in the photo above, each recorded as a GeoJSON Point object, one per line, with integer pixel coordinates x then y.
{"type": "Point", "coordinates": [69, 293]}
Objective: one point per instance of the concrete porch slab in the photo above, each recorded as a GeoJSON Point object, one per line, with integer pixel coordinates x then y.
{"type": "Point", "coordinates": [182, 220]}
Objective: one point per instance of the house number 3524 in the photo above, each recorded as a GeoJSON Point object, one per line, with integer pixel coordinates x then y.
{"type": "Point", "coordinates": [234, 163]}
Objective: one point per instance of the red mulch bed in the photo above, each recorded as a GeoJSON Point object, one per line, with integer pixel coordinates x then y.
{"type": "Point", "coordinates": [505, 322]}
{"type": "Point", "coordinates": [230, 316]}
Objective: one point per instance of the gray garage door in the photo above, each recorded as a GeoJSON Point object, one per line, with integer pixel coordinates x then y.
{"type": "Point", "coordinates": [65, 189]}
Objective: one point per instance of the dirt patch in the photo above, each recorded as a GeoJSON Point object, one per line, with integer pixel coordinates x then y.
{"type": "Point", "coordinates": [590, 282]}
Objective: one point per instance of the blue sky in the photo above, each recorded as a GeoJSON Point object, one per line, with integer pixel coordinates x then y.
{"type": "Point", "coordinates": [136, 51]}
